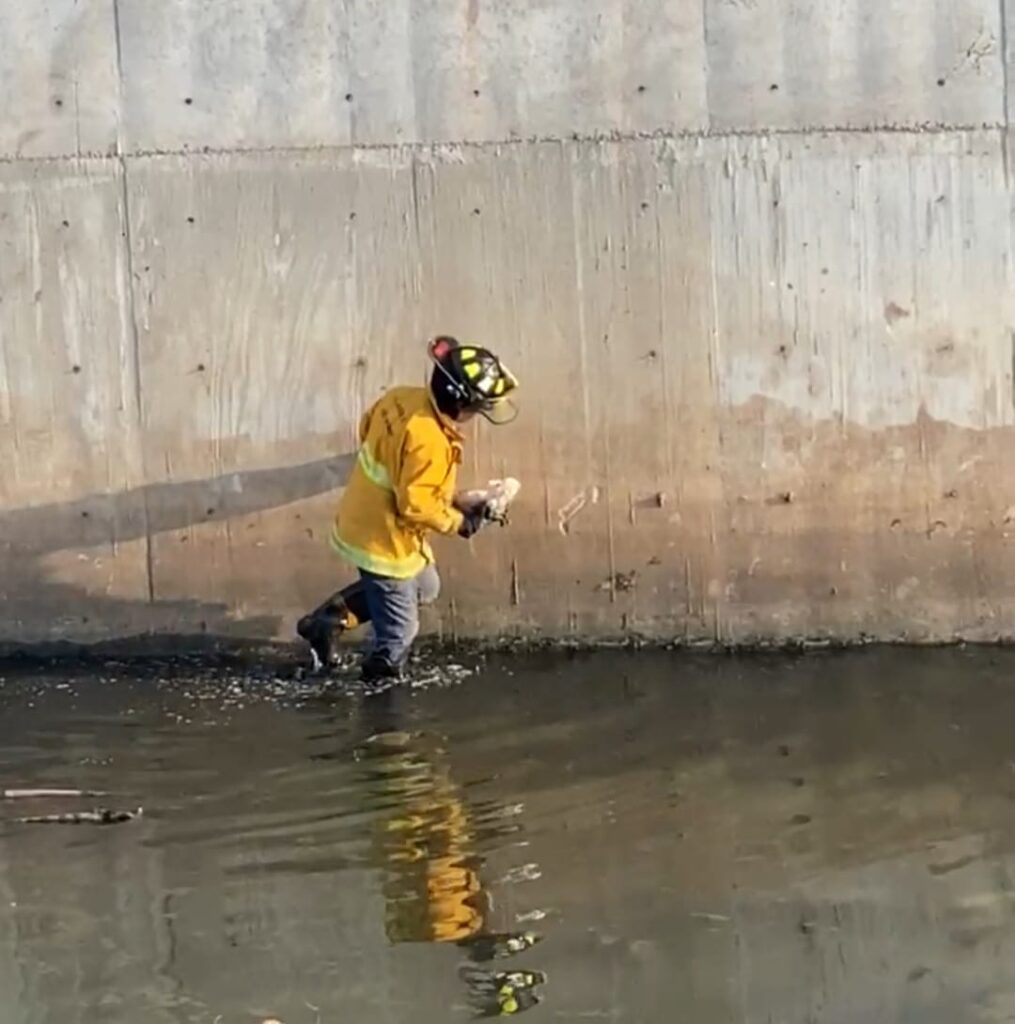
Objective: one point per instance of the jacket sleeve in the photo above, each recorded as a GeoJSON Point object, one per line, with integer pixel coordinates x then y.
{"type": "Point", "coordinates": [426, 481]}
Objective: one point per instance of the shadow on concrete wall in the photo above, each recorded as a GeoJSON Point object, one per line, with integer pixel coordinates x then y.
{"type": "Point", "coordinates": [38, 608]}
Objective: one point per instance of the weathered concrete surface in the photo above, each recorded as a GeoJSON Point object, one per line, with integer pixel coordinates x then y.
{"type": "Point", "coordinates": [793, 64]}
{"type": "Point", "coordinates": [68, 403]}
{"type": "Point", "coordinates": [405, 71]}
{"type": "Point", "coordinates": [185, 74]}
{"type": "Point", "coordinates": [240, 73]}
{"type": "Point", "coordinates": [58, 78]}
{"type": "Point", "coordinates": [768, 379]}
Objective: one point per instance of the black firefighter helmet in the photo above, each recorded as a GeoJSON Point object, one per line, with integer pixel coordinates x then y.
{"type": "Point", "coordinates": [468, 378]}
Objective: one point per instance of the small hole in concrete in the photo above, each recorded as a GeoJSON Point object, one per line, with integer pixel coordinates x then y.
{"type": "Point", "coordinates": [200, 367]}
{"type": "Point", "coordinates": [475, 92]}
{"type": "Point", "coordinates": [75, 368]}
{"type": "Point", "coordinates": [190, 220]}
{"type": "Point", "coordinates": [942, 82]}
{"type": "Point", "coordinates": [642, 88]}
{"type": "Point", "coordinates": [66, 223]}
{"type": "Point", "coordinates": [210, 512]}
{"type": "Point", "coordinates": [348, 97]}
{"type": "Point", "coordinates": [189, 101]}
{"type": "Point", "coordinates": [352, 216]}
{"type": "Point", "coordinates": [774, 87]}
{"type": "Point", "coordinates": [85, 515]}
{"type": "Point", "coordinates": [58, 102]}
{"type": "Point", "coordinates": [475, 212]}
{"type": "Point", "coordinates": [644, 206]}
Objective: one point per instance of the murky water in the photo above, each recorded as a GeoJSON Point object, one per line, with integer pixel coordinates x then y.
{"type": "Point", "coordinates": [825, 839]}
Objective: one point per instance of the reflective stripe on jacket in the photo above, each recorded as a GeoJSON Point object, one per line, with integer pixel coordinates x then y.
{"type": "Point", "coordinates": [401, 486]}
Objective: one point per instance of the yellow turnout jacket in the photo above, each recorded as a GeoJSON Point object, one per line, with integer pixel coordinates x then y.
{"type": "Point", "coordinates": [401, 486]}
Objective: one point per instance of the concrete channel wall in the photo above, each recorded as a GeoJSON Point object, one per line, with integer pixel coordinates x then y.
{"type": "Point", "coordinates": [753, 260]}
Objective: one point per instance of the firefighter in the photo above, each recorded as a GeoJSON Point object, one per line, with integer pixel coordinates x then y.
{"type": "Point", "coordinates": [401, 489]}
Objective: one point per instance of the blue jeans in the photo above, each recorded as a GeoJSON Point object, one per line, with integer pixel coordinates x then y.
{"type": "Point", "coordinates": [394, 610]}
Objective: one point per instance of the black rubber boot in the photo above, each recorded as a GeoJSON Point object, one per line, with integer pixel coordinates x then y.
{"type": "Point", "coordinates": [377, 669]}
{"type": "Point", "coordinates": [345, 609]}
{"type": "Point", "coordinates": [319, 632]}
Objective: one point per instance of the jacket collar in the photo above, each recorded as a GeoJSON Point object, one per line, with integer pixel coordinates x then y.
{"type": "Point", "coordinates": [447, 423]}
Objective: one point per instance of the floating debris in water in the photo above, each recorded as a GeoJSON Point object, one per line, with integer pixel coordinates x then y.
{"type": "Point", "coordinates": [522, 873]}
{"type": "Point", "coordinates": [436, 676]}
{"type": "Point", "coordinates": [46, 794]}
{"type": "Point", "coordinates": [532, 915]}
{"type": "Point", "coordinates": [99, 816]}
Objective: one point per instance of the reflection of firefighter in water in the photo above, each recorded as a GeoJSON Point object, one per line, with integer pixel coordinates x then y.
{"type": "Point", "coordinates": [432, 891]}
{"type": "Point", "coordinates": [432, 888]}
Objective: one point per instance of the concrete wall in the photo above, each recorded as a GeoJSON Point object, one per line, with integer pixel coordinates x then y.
{"type": "Point", "coordinates": [753, 260]}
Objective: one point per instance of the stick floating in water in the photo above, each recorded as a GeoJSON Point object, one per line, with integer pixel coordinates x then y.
{"type": "Point", "coordinates": [100, 816]}
{"type": "Point", "coordinates": [40, 794]}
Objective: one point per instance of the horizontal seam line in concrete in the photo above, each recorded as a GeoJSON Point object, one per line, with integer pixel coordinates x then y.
{"type": "Point", "coordinates": [604, 137]}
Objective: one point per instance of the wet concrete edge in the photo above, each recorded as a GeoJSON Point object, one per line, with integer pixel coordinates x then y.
{"type": "Point", "coordinates": [211, 651]}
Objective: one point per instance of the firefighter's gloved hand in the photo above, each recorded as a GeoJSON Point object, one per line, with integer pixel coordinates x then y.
{"type": "Point", "coordinates": [472, 521]}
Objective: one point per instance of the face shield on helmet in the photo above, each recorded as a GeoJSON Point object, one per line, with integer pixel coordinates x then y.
{"type": "Point", "coordinates": [477, 380]}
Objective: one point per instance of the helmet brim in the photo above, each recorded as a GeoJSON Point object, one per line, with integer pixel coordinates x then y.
{"type": "Point", "coordinates": [498, 411]}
